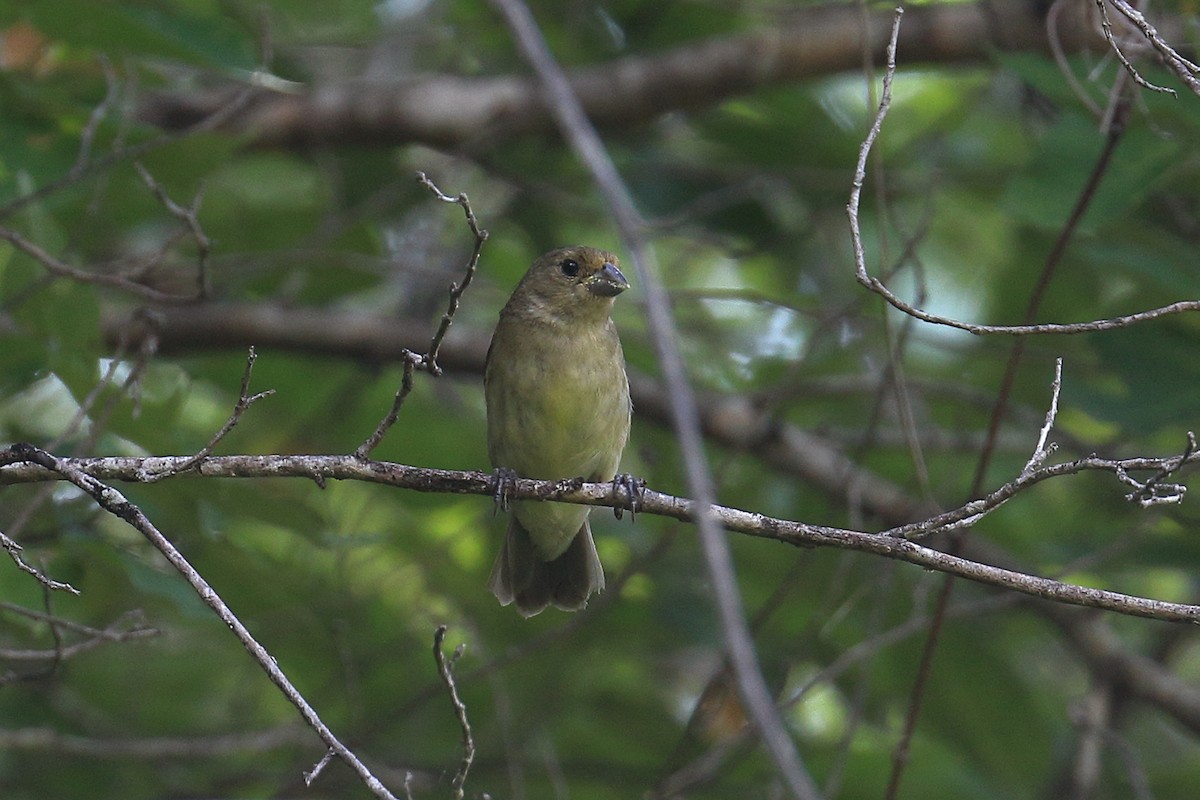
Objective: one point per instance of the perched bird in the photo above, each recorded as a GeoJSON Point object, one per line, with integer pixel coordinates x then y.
{"type": "Point", "coordinates": [557, 407]}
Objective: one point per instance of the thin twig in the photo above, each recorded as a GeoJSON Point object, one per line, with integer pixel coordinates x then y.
{"type": "Point", "coordinates": [1187, 71]}
{"type": "Point", "coordinates": [14, 549]}
{"type": "Point", "coordinates": [446, 671]}
{"type": "Point", "coordinates": [1106, 26]}
{"type": "Point", "coordinates": [411, 362]}
{"type": "Point", "coordinates": [115, 503]}
{"type": "Point", "coordinates": [1041, 450]}
{"type": "Point", "coordinates": [877, 286]}
{"type": "Point", "coordinates": [61, 269]}
{"type": "Point", "coordinates": [427, 361]}
{"type": "Point", "coordinates": [88, 135]}
{"type": "Point", "coordinates": [311, 775]}
{"type": "Point", "coordinates": [582, 136]}
{"type": "Point", "coordinates": [190, 217]}
{"type": "Point", "coordinates": [456, 289]}
{"type": "Point", "coordinates": [245, 400]}
{"type": "Point", "coordinates": [1153, 492]}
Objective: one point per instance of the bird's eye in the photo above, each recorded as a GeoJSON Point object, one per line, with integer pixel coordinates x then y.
{"type": "Point", "coordinates": [569, 267]}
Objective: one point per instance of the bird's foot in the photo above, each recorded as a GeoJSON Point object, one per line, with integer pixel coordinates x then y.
{"type": "Point", "coordinates": [503, 483]}
{"type": "Point", "coordinates": [634, 489]}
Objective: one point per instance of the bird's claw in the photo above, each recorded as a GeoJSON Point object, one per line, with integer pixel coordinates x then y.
{"type": "Point", "coordinates": [634, 489]}
{"type": "Point", "coordinates": [503, 483]}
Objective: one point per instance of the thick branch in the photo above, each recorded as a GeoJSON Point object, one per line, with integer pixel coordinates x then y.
{"type": "Point", "coordinates": [462, 112]}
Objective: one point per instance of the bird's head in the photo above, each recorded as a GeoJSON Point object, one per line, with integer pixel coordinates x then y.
{"type": "Point", "coordinates": [573, 282]}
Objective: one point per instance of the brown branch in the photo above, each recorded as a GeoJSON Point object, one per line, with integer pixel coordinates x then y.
{"type": "Point", "coordinates": [1185, 70]}
{"type": "Point", "coordinates": [428, 361]}
{"type": "Point", "coordinates": [446, 672]}
{"type": "Point", "coordinates": [245, 400]}
{"type": "Point", "coordinates": [14, 550]}
{"type": "Point", "coordinates": [731, 421]}
{"type": "Point", "coordinates": [1140, 676]}
{"type": "Point", "coordinates": [115, 503]}
{"type": "Point", "coordinates": [455, 111]}
{"type": "Point", "coordinates": [48, 739]}
{"type": "Point", "coordinates": [61, 269]}
{"type": "Point", "coordinates": [190, 217]}
{"type": "Point", "coordinates": [583, 139]}
{"type": "Point", "coordinates": [15, 468]}
{"type": "Point", "coordinates": [121, 631]}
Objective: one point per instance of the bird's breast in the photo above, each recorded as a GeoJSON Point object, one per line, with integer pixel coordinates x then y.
{"type": "Point", "coordinates": [561, 410]}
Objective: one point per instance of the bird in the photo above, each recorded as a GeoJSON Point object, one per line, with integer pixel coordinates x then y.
{"type": "Point", "coordinates": [558, 407]}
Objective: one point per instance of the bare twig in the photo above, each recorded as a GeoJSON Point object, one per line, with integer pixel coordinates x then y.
{"type": "Point", "coordinates": [411, 362]}
{"type": "Point", "coordinates": [581, 135]}
{"type": "Point", "coordinates": [50, 740]}
{"type": "Point", "coordinates": [976, 509]}
{"type": "Point", "coordinates": [245, 400]}
{"type": "Point", "coordinates": [190, 217]}
{"type": "Point", "coordinates": [427, 361]}
{"type": "Point", "coordinates": [456, 289]}
{"type": "Point", "coordinates": [1106, 26]}
{"type": "Point", "coordinates": [1153, 492]}
{"type": "Point", "coordinates": [1041, 450]}
{"type": "Point", "coordinates": [311, 775]}
{"type": "Point", "coordinates": [14, 551]}
{"type": "Point", "coordinates": [61, 269]}
{"type": "Point", "coordinates": [893, 543]}
{"type": "Point", "coordinates": [446, 671]}
{"type": "Point", "coordinates": [1187, 71]}
{"type": "Point", "coordinates": [128, 627]}
{"type": "Point", "coordinates": [879, 287]}
{"type": "Point", "coordinates": [115, 503]}
{"type": "Point", "coordinates": [88, 135]}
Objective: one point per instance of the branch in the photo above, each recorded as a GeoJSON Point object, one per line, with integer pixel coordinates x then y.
{"type": "Point", "coordinates": [428, 361]}
{"type": "Point", "coordinates": [461, 112]}
{"type": "Point", "coordinates": [245, 400]}
{"type": "Point", "coordinates": [889, 544]}
{"type": "Point", "coordinates": [446, 671]}
{"type": "Point", "coordinates": [115, 503]}
{"type": "Point", "coordinates": [1184, 69]}
{"type": "Point", "coordinates": [572, 120]}
{"type": "Point", "coordinates": [729, 420]}
{"type": "Point", "coordinates": [126, 628]}
{"type": "Point", "coordinates": [61, 269]}
{"type": "Point", "coordinates": [879, 287]}
{"type": "Point", "coordinates": [51, 740]}
{"type": "Point", "coordinates": [14, 550]}
{"type": "Point", "coordinates": [190, 217]}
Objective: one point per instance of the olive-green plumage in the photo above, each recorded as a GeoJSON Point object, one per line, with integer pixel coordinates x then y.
{"type": "Point", "coordinates": [557, 407]}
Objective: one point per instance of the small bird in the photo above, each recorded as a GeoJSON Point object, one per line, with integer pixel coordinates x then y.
{"type": "Point", "coordinates": [557, 407]}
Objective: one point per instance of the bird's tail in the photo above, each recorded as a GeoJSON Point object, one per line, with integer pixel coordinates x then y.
{"type": "Point", "coordinates": [566, 582]}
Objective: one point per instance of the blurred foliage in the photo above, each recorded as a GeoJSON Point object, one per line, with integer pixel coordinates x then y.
{"type": "Point", "coordinates": [977, 170]}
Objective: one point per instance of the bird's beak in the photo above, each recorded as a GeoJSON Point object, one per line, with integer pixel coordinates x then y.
{"type": "Point", "coordinates": [607, 282]}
